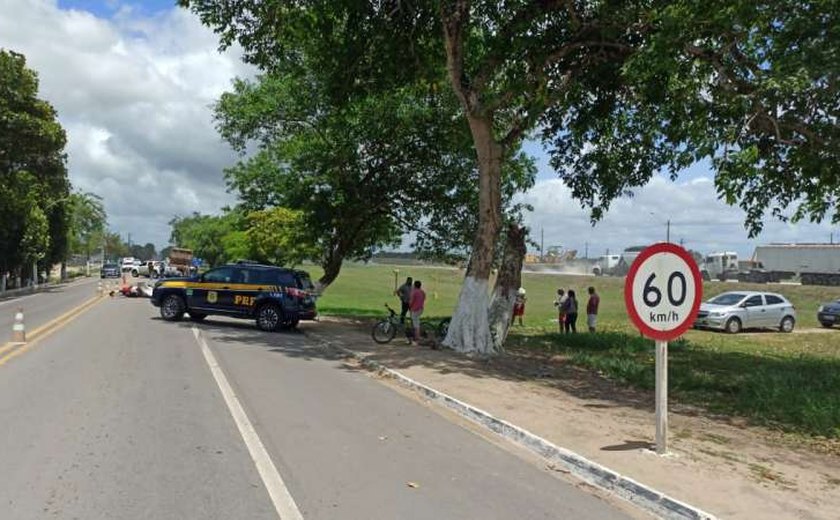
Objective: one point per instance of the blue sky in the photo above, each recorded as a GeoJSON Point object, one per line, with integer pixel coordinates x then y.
{"type": "Point", "coordinates": [107, 8]}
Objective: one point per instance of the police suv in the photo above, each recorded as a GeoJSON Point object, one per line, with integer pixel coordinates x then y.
{"type": "Point", "coordinates": [276, 297]}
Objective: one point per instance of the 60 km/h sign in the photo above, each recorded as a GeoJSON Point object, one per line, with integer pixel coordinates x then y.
{"type": "Point", "coordinates": [662, 293]}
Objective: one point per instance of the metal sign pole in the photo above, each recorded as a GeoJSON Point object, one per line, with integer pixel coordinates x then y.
{"type": "Point", "coordinates": [661, 397]}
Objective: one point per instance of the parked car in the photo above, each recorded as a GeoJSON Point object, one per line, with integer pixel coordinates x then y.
{"type": "Point", "coordinates": [276, 297]}
{"type": "Point", "coordinates": [109, 271]}
{"type": "Point", "coordinates": [735, 311]}
{"type": "Point", "coordinates": [829, 313]}
{"type": "Point", "coordinates": [127, 264]}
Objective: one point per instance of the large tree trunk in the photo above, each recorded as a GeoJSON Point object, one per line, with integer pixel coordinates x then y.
{"type": "Point", "coordinates": [332, 266]}
{"type": "Point", "coordinates": [469, 330]}
{"type": "Point", "coordinates": [508, 283]}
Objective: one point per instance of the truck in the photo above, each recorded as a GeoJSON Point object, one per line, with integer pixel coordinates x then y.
{"type": "Point", "coordinates": [180, 260]}
{"type": "Point", "coordinates": [812, 264]}
{"type": "Point", "coordinates": [617, 265]}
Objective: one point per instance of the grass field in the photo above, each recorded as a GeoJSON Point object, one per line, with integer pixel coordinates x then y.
{"type": "Point", "coordinates": [787, 381]}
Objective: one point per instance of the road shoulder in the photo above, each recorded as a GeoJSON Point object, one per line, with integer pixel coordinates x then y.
{"type": "Point", "coordinates": [613, 426]}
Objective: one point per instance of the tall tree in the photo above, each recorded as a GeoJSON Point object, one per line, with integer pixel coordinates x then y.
{"type": "Point", "coordinates": [618, 90]}
{"type": "Point", "coordinates": [88, 221]}
{"type": "Point", "coordinates": [361, 172]}
{"type": "Point", "coordinates": [33, 174]}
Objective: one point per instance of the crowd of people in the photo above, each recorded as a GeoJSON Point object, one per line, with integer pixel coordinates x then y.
{"type": "Point", "coordinates": [413, 300]}
{"type": "Point", "coordinates": [567, 309]}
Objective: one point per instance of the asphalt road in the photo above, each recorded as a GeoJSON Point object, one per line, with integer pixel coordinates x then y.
{"type": "Point", "coordinates": [119, 415]}
{"type": "Point", "coordinates": [41, 307]}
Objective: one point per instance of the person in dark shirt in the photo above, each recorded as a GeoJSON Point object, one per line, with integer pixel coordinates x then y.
{"type": "Point", "coordinates": [571, 308]}
{"type": "Point", "coordinates": [404, 293]}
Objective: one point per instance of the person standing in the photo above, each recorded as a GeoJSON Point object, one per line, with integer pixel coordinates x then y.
{"type": "Point", "coordinates": [404, 293]}
{"type": "Point", "coordinates": [416, 305]}
{"type": "Point", "coordinates": [571, 307]}
{"type": "Point", "coordinates": [561, 311]}
{"type": "Point", "coordinates": [592, 309]}
{"type": "Point", "coordinates": [519, 305]}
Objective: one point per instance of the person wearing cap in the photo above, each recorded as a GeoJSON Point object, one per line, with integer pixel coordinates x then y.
{"type": "Point", "coordinates": [519, 305]}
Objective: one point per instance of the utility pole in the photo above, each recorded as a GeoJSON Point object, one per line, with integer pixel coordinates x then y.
{"type": "Point", "coordinates": [668, 232]}
{"type": "Point", "coordinates": [681, 242]}
{"type": "Point", "coordinates": [542, 244]}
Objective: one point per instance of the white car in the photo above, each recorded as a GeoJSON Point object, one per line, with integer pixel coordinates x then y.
{"type": "Point", "coordinates": [738, 310]}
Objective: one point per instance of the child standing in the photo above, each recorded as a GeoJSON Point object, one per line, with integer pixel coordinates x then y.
{"type": "Point", "coordinates": [519, 305]}
{"type": "Point", "coordinates": [560, 303]}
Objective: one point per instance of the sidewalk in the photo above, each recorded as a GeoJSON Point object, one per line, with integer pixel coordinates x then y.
{"type": "Point", "coordinates": [719, 465]}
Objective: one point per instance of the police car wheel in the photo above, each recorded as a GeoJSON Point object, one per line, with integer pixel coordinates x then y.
{"type": "Point", "coordinates": [269, 317]}
{"type": "Point", "coordinates": [172, 308]}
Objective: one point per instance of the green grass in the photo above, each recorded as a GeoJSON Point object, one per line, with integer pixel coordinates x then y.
{"type": "Point", "coordinates": [786, 381]}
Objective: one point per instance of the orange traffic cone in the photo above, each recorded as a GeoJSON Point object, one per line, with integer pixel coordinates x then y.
{"type": "Point", "coordinates": [19, 330]}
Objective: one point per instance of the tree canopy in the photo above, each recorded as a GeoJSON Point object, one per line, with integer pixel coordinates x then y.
{"type": "Point", "coordinates": [361, 173]}
{"type": "Point", "coordinates": [34, 188]}
{"type": "Point", "coordinates": [617, 90]}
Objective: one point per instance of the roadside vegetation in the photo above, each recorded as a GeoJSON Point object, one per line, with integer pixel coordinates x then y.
{"type": "Point", "coordinates": [790, 382]}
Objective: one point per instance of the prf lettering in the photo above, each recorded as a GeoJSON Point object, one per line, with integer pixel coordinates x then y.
{"type": "Point", "coordinates": [243, 300]}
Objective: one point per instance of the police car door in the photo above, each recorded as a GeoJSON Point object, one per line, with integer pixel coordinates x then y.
{"type": "Point", "coordinates": [212, 291]}
{"type": "Point", "coordinates": [248, 285]}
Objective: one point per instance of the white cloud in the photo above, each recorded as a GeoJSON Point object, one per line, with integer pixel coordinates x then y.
{"type": "Point", "coordinates": [697, 217]}
{"type": "Point", "coordinates": [134, 94]}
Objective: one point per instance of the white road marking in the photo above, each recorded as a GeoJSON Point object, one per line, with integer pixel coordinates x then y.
{"type": "Point", "coordinates": [283, 502]}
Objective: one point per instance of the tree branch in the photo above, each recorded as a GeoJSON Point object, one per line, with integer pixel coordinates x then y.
{"type": "Point", "coordinates": [453, 31]}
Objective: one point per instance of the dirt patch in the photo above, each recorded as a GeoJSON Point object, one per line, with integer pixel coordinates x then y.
{"type": "Point", "coordinates": [718, 463]}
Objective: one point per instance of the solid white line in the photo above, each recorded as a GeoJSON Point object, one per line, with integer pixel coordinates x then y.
{"type": "Point", "coordinates": [283, 502]}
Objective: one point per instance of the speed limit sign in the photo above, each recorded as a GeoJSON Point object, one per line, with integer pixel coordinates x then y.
{"type": "Point", "coordinates": [662, 291]}
{"type": "Point", "coordinates": [662, 294]}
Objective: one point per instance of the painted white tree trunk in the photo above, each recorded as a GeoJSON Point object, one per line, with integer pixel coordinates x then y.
{"type": "Point", "coordinates": [501, 316]}
{"type": "Point", "coordinates": [469, 331]}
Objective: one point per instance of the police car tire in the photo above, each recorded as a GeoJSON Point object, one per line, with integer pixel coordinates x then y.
{"type": "Point", "coordinates": [197, 316]}
{"type": "Point", "coordinates": [269, 317]}
{"type": "Point", "coordinates": [170, 303]}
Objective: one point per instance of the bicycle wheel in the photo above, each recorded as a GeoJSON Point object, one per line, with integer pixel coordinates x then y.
{"type": "Point", "coordinates": [383, 331]}
{"type": "Point", "coordinates": [443, 328]}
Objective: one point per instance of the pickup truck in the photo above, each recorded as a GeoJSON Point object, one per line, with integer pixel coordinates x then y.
{"type": "Point", "coordinates": [155, 269]}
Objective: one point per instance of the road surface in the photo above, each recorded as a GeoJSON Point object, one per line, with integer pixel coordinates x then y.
{"type": "Point", "coordinates": [120, 415]}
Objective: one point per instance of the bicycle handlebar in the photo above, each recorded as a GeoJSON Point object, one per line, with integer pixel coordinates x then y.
{"type": "Point", "coordinates": [392, 311]}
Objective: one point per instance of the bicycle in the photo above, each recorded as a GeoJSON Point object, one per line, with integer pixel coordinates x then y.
{"type": "Point", "coordinates": [386, 329]}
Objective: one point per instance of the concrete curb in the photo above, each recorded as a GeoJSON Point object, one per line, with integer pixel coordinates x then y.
{"type": "Point", "coordinates": [639, 494]}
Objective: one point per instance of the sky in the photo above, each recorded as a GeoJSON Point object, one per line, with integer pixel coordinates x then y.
{"type": "Point", "coordinates": [134, 82]}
